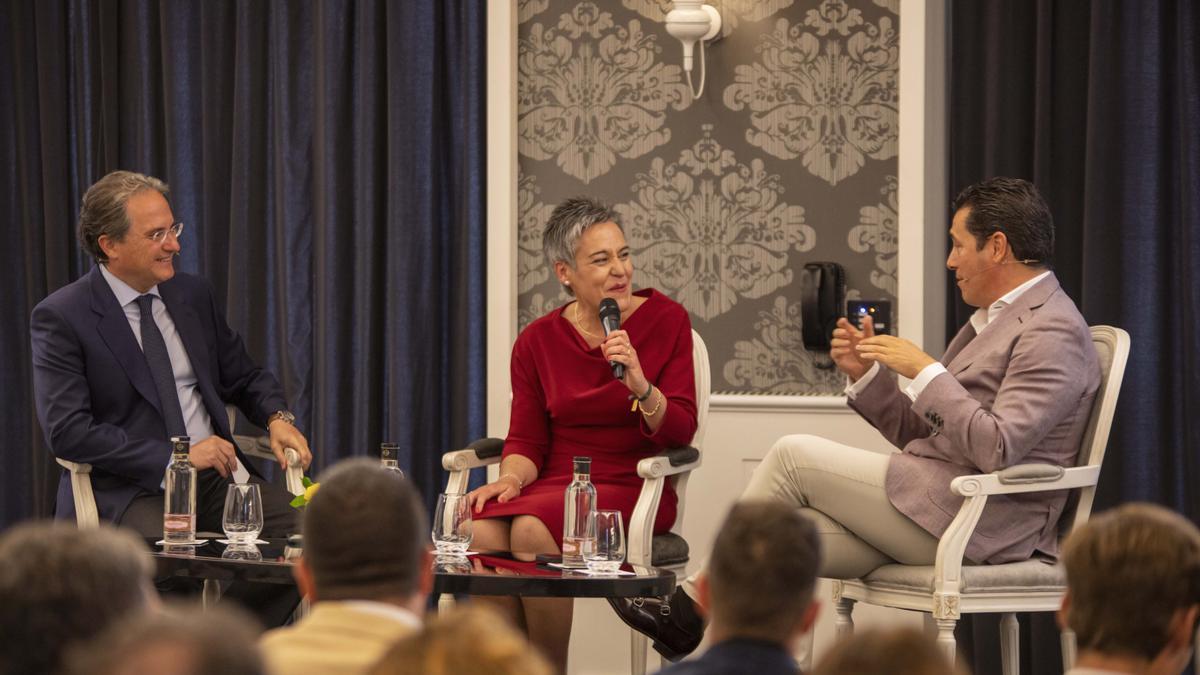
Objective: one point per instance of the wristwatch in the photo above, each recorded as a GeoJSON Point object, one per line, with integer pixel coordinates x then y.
{"type": "Point", "coordinates": [284, 415]}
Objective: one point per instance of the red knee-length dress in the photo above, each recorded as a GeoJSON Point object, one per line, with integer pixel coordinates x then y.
{"type": "Point", "coordinates": [566, 403]}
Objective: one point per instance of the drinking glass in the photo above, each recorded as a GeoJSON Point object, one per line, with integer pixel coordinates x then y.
{"type": "Point", "coordinates": [608, 551]}
{"type": "Point", "coordinates": [243, 517]}
{"type": "Point", "coordinates": [452, 524]}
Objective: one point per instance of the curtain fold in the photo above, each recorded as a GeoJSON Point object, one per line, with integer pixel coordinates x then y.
{"type": "Point", "coordinates": [1099, 105]}
{"type": "Point", "coordinates": [328, 160]}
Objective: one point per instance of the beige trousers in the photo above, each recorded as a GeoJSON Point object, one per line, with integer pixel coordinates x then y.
{"type": "Point", "coordinates": [841, 488]}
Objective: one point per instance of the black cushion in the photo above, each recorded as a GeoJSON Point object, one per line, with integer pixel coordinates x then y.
{"type": "Point", "coordinates": [668, 549]}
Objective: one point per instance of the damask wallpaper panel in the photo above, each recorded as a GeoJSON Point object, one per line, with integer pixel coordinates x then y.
{"type": "Point", "coordinates": [788, 157]}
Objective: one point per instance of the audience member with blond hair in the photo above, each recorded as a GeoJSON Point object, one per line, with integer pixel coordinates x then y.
{"type": "Point", "coordinates": [471, 639]}
{"type": "Point", "coordinates": [902, 651]}
{"type": "Point", "coordinates": [1133, 591]}
{"type": "Point", "coordinates": [60, 586]}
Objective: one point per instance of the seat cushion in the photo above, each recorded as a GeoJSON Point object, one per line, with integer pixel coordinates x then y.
{"type": "Point", "coordinates": [668, 549]}
{"type": "Point", "coordinates": [1034, 575]}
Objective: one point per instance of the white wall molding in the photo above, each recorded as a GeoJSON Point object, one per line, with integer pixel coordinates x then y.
{"type": "Point", "coordinates": [501, 207]}
{"type": "Point", "coordinates": [824, 405]}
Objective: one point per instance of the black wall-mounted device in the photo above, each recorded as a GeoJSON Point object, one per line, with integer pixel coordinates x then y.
{"type": "Point", "coordinates": [880, 312]}
{"type": "Point", "coordinates": [822, 296]}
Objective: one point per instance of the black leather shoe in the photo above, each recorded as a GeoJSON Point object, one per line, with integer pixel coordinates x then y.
{"type": "Point", "coordinates": [671, 622]}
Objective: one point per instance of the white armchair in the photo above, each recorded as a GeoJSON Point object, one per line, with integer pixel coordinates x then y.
{"type": "Point", "coordinates": [948, 589]}
{"type": "Point", "coordinates": [252, 446]}
{"type": "Point", "coordinates": [668, 550]}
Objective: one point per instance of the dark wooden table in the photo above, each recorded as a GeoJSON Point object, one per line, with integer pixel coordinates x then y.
{"type": "Point", "coordinates": [480, 574]}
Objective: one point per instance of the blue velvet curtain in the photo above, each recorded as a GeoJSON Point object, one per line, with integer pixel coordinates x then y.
{"type": "Point", "coordinates": [327, 158]}
{"type": "Point", "coordinates": [1099, 104]}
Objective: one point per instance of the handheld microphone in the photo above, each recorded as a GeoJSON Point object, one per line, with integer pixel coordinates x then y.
{"type": "Point", "coordinates": [610, 320]}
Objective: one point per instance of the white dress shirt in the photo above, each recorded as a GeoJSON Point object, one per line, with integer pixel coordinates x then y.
{"type": "Point", "coordinates": [195, 415]}
{"type": "Point", "coordinates": [981, 319]}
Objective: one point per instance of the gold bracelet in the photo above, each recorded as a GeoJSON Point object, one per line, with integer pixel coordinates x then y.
{"type": "Point", "coordinates": [650, 413]}
{"type": "Point", "coordinates": [520, 483]}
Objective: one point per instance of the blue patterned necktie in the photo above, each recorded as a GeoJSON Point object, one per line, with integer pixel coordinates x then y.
{"type": "Point", "coordinates": [155, 349]}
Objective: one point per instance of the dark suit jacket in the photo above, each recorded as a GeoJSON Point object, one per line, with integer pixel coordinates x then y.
{"type": "Point", "coordinates": [95, 397]}
{"type": "Point", "coordinates": [1019, 393]}
{"type": "Point", "coordinates": [737, 656]}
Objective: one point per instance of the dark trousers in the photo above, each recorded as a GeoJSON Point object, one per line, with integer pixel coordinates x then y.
{"type": "Point", "coordinates": [271, 603]}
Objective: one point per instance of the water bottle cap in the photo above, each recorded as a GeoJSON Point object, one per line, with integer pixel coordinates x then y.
{"type": "Point", "coordinates": [583, 463]}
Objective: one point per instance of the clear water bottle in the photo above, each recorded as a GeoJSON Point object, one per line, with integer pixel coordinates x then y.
{"type": "Point", "coordinates": [579, 534]}
{"type": "Point", "coordinates": [179, 508]}
{"type": "Point", "coordinates": [389, 456]}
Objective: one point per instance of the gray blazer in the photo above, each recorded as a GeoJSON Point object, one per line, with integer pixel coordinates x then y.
{"type": "Point", "coordinates": [1020, 393]}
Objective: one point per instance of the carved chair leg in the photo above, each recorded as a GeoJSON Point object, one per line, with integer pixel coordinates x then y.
{"type": "Point", "coordinates": [1067, 639]}
{"type": "Point", "coordinates": [637, 653]}
{"type": "Point", "coordinates": [805, 652]}
{"type": "Point", "coordinates": [1010, 644]}
{"type": "Point", "coordinates": [445, 603]}
{"type": "Point", "coordinates": [844, 622]}
{"type": "Point", "coordinates": [211, 594]}
{"type": "Point", "coordinates": [945, 638]}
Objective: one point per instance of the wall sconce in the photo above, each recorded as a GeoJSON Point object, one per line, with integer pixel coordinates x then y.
{"type": "Point", "coordinates": [689, 21]}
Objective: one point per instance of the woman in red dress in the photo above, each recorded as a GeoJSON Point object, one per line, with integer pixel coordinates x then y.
{"type": "Point", "coordinates": [566, 403]}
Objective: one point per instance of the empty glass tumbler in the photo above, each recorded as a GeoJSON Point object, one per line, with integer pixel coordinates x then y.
{"type": "Point", "coordinates": [243, 517]}
{"type": "Point", "coordinates": [452, 524]}
{"type": "Point", "coordinates": [607, 552]}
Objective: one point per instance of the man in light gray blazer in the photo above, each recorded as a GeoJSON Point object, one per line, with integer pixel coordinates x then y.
{"type": "Point", "coordinates": [1015, 386]}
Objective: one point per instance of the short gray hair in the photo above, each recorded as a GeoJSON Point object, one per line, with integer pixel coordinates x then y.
{"type": "Point", "coordinates": [565, 227]}
{"type": "Point", "coordinates": [61, 586]}
{"type": "Point", "coordinates": [103, 209]}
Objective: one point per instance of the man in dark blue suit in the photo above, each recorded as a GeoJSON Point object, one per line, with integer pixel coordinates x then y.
{"type": "Point", "coordinates": [134, 353]}
{"type": "Point", "coordinates": [758, 588]}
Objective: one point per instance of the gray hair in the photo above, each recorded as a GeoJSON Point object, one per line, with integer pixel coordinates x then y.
{"type": "Point", "coordinates": [61, 586]}
{"type": "Point", "coordinates": [565, 227]}
{"type": "Point", "coordinates": [103, 209]}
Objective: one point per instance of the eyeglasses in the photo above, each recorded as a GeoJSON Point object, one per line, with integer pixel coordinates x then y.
{"type": "Point", "coordinates": [158, 236]}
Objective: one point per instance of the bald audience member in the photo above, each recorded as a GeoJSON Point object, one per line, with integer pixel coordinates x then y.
{"type": "Point", "coordinates": [1133, 591]}
{"type": "Point", "coordinates": [61, 586]}
{"type": "Point", "coordinates": [758, 587]}
{"type": "Point", "coordinates": [365, 568]}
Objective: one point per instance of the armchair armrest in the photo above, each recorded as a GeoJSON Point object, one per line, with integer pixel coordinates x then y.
{"type": "Point", "coordinates": [1025, 478]}
{"type": "Point", "coordinates": [260, 447]}
{"type": "Point", "coordinates": [669, 462]}
{"type": "Point", "coordinates": [86, 514]}
{"type": "Point", "coordinates": [654, 472]}
{"type": "Point", "coordinates": [947, 575]}
{"type": "Point", "coordinates": [459, 463]}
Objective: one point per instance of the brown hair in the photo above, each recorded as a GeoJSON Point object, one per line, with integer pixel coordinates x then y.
{"type": "Point", "coordinates": [103, 209]}
{"type": "Point", "coordinates": [364, 533]}
{"type": "Point", "coordinates": [471, 639]}
{"type": "Point", "coordinates": [899, 651]}
{"type": "Point", "coordinates": [1129, 570]}
{"type": "Point", "coordinates": [763, 570]}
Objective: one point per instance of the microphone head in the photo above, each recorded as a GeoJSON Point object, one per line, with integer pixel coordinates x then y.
{"type": "Point", "coordinates": [610, 315]}
{"type": "Point", "coordinates": [609, 307]}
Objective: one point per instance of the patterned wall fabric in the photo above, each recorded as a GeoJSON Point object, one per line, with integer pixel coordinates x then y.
{"type": "Point", "coordinates": [788, 157]}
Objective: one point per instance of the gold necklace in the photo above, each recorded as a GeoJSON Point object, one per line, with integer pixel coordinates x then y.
{"type": "Point", "coordinates": [579, 323]}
